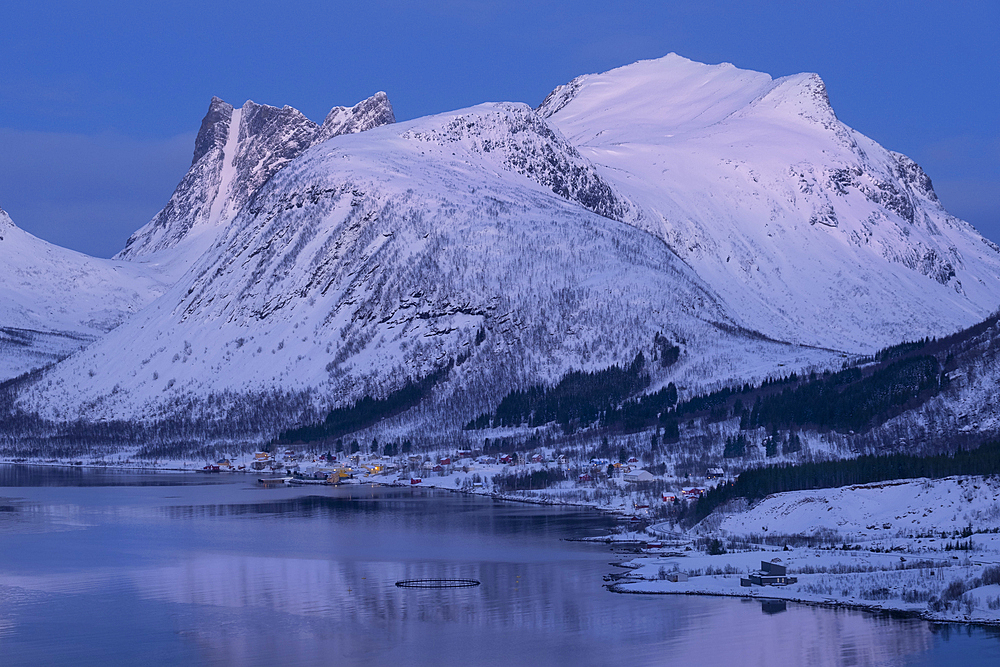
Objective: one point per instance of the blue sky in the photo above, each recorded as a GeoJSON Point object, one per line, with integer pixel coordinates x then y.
{"type": "Point", "coordinates": [100, 100]}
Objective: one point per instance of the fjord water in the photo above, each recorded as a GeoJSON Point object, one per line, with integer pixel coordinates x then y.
{"type": "Point", "coordinates": [103, 567]}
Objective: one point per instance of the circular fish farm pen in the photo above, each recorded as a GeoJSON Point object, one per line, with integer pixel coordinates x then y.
{"type": "Point", "coordinates": [437, 583]}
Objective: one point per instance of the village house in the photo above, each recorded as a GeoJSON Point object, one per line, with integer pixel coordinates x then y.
{"type": "Point", "coordinates": [639, 476]}
{"type": "Point", "coordinates": [770, 574]}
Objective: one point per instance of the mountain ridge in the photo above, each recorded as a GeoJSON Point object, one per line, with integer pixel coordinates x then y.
{"type": "Point", "coordinates": [725, 212]}
{"type": "Point", "coordinates": [770, 198]}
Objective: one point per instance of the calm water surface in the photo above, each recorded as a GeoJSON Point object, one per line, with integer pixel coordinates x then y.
{"type": "Point", "coordinates": [102, 568]}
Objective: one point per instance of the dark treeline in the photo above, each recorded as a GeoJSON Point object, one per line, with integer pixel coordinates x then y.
{"type": "Point", "coordinates": [366, 412]}
{"type": "Point", "coordinates": [854, 399]}
{"type": "Point", "coordinates": [849, 400]}
{"type": "Point", "coordinates": [239, 425]}
{"type": "Point", "coordinates": [760, 482]}
{"type": "Point", "coordinates": [579, 397]}
{"type": "Point", "coordinates": [639, 413]}
{"type": "Point", "coordinates": [525, 481]}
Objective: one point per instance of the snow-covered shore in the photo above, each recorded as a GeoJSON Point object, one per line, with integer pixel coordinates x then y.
{"type": "Point", "coordinates": [938, 588]}
{"type": "Point", "coordinates": [927, 548]}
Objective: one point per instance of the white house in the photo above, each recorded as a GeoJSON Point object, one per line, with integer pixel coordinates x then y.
{"type": "Point", "coordinates": [639, 476]}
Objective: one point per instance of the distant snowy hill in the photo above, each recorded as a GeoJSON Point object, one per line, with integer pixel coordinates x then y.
{"type": "Point", "coordinates": [880, 510]}
{"type": "Point", "coordinates": [812, 232]}
{"type": "Point", "coordinates": [54, 301]}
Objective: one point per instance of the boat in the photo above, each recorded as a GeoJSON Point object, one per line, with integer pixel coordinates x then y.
{"type": "Point", "coordinates": [415, 480]}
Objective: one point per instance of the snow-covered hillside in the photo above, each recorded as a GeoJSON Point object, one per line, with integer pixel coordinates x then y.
{"type": "Point", "coordinates": [386, 255]}
{"type": "Point", "coordinates": [53, 301]}
{"type": "Point", "coordinates": [56, 301]}
{"type": "Point", "coordinates": [812, 232]}
{"type": "Point", "coordinates": [875, 511]}
{"type": "Point", "coordinates": [967, 409]}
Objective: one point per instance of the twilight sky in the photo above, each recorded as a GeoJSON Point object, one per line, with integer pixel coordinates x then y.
{"type": "Point", "coordinates": [100, 101]}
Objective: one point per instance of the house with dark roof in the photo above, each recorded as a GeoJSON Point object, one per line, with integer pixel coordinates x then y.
{"type": "Point", "coordinates": [770, 574]}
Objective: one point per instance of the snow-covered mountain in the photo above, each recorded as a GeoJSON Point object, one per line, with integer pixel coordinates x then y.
{"type": "Point", "coordinates": [236, 151]}
{"type": "Point", "coordinates": [56, 301]}
{"type": "Point", "coordinates": [809, 230]}
{"type": "Point", "coordinates": [377, 257]}
{"type": "Point", "coordinates": [53, 301]}
{"type": "Point", "coordinates": [728, 213]}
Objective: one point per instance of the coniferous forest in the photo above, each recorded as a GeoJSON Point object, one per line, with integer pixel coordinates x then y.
{"type": "Point", "coordinates": [854, 399]}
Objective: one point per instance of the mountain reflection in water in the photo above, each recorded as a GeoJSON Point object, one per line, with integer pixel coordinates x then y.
{"type": "Point", "coordinates": [232, 574]}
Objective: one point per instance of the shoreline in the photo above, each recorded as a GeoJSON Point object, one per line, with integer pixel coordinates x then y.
{"type": "Point", "coordinates": [819, 582]}
{"type": "Point", "coordinates": [827, 604]}
{"type": "Point", "coordinates": [355, 481]}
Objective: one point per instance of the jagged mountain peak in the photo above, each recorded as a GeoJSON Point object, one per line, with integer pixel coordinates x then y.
{"type": "Point", "coordinates": [798, 95]}
{"type": "Point", "coordinates": [365, 115]}
{"type": "Point", "coordinates": [237, 150]}
{"type": "Point", "coordinates": [214, 128]}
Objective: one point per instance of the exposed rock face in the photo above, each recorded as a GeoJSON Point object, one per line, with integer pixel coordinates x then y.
{"type": "Point", "coordinates": [517, 139]}
{"type": "Point", "coordinates": [365, 115]}
{"type": "Point", "coordinates": [214, 128]}
{"type": "Point", "coordinates": [237, 151]}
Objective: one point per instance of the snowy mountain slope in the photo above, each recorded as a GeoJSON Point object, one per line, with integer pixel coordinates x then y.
{"type": "Point", "coordinates": [53, 301]}
{"type": "Point", "coordinates": [812, 232]}
{"type": "Point", "coordinates": [24, 350]}
{"type": "Point", "coordinates": [236, 151]}
{"type": "Point", "coordinates": [731, 213]}
{"type": "Point", "coordinates": [372, 258]}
